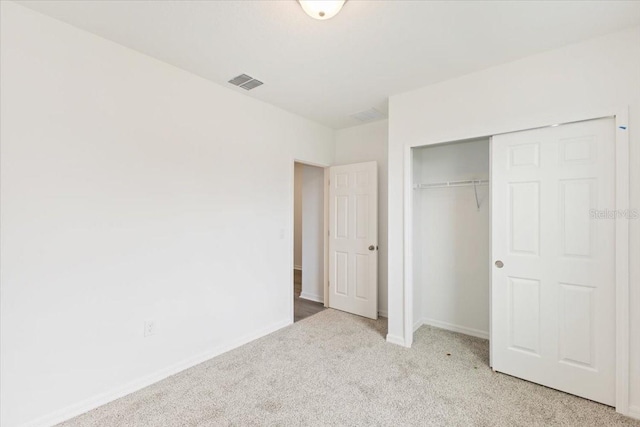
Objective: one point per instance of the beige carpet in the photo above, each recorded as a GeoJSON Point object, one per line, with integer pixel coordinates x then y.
{"type": "Point", "coordinates": [336, 369]}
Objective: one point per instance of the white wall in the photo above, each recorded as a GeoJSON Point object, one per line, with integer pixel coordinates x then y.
{"type": "Point", "coordinates": [297, 215]}
{"type": "Point", "coordinates": [312, 233]}
{"type": "Point", "coordinates": [363, 144]}
{"type": "Point", "coordinates": [602, 73]}
{"type": "Point", "coordinates": [132, 190]}
{"type": "Point", "coordinates": [451, 239]}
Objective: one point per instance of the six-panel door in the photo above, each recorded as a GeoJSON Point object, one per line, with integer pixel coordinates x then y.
{"type": "Point", "coordinates": [553, 301]}
{"type": "Point", "coordinates": [353, 239]}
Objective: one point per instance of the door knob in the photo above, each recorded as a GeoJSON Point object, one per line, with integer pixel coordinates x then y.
{"type": "Point", "coordinates": [371, 247]}
{"type": "Point", "coordinates": [499, 264]}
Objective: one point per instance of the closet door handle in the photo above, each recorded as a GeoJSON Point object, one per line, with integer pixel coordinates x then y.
{"type": "Point", "coordinates": [371, 247]}
{"type": "Point", "coordinates": [499, 264]}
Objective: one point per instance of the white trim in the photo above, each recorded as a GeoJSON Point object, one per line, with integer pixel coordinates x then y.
{"type": "Point", "coordinates": [292, 238]}
{"type": "Point", "coordinates": [397, 340]}
{"type": "Point", "coordinates": [408, 246]}
{"type": "Point", "coordinates": [297, 267]}
{"type": "Point", "coordinates": [634, 412]}
{"type": "Point", "coordinates": [453, 328]}
{"type": "Point", "coordinates": [311, 297]}
{"type": "Point", "coordinates": [490, 251]}
{"type": "Point", "coordinates": [622, 263]}
{"type": "Point", "coordinates": [86, 405]}
{"type": "Point", "coordinates": [325, 281]}
{"type": "Point", "coordinates": [383, 313]}
{"type": "Point", "coordinates": [622, 226]}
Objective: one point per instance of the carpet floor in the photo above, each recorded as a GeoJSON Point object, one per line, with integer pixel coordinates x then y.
{"type": "Point", "coordinates": [336, 369]}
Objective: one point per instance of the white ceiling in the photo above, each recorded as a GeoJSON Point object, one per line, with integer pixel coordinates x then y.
{"type": "Point", "coordinates": [327, 70]}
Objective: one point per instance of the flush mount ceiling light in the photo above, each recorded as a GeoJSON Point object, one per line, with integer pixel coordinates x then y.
{"type": "Point", "coordinates": [321, 9]}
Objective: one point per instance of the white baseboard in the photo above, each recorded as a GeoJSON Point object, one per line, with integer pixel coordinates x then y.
{"type": "Point", "coordinates": [417, 324]}
{"type": "Point", "coordinates": [394, 339]}
{"type": "Point", "coordinates": [312, 297]}
{"type": "Point", "coordinates": [104, 398]}
{"type": "Point", "coordinates": [634, 412]}
{"type": "Point", "coordinates": [383, 313]}
{"type": "Point", "coordinates": [297, 267]}
{"type": "Point", "coordinates": [450, 327]}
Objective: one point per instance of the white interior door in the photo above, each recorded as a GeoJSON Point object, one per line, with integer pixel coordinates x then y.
{"type": "Point", "coordinates": [353, 238]}
{"type": "Point", "coordinates": [553, 301]}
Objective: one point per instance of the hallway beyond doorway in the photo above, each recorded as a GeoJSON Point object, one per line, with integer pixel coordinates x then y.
{"type": "Point", "coordinates": [302, 308]}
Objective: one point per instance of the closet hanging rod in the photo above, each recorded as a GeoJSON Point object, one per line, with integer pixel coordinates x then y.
{"type": "Point", "coordinates": [444, 184]}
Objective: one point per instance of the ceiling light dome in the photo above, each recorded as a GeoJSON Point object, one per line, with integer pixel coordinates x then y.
{"type": "Point", "coordinates": [322, 9]}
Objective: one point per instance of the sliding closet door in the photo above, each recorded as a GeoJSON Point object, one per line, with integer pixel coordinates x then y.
{"type": "Point", "coordinates": [553, 295]}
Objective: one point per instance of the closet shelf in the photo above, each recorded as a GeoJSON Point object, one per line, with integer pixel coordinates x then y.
{"type": "Point", "coordinates": [473, 182]}
{"type": "Point", "coordinates": [467, 183]}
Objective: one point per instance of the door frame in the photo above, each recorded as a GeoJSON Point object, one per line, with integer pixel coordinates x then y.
{"type": "Point", "coordinates": [325, 242]}
{"type": "Point", "coordinates": [622, 187]}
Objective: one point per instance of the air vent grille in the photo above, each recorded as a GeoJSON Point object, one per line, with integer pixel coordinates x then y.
{"type": "Point", "coordinates": [241, 79]}
{"type": "Point", "coordinates": [245, 82]}
{"type": "Point", "coordinates": [369, 115]}
{"type": "Point", "coordinates": [251, 84]}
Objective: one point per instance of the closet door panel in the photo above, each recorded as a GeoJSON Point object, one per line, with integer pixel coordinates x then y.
{"type": "Point", "coordinates": [553, 278]}
{"type": "Point", "coordinates": [524, 218]}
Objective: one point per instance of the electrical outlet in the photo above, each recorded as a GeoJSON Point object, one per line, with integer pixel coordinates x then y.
{"type": "Point", "coordinates": [149, 328]}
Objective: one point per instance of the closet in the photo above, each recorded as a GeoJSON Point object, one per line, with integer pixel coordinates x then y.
{"type": "Point", "coordinates": [451, 241]}
{"type": "Point", "coordinates": [541, 243]}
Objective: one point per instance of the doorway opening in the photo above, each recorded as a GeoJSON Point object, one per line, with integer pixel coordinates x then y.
{"type": "Point", "coordinates": [452, 239]}
{"type": "Point", "coordinates": [308, 241]}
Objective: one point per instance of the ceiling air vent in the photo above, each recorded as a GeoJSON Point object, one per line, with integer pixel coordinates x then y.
{"type": "Point", "coordinates": [369, 115]}
{"type": "Point", "coordinates": [245, 82]}
{"type": "Point", "coordinates": [251, 84]}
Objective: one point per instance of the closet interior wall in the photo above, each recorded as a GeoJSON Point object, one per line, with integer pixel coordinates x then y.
{"type": "Point", "coordinates": [451, 237]}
